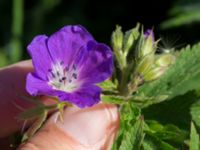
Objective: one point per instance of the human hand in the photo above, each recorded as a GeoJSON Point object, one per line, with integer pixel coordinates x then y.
{"type": "Point", "coordinates": [91, 128]}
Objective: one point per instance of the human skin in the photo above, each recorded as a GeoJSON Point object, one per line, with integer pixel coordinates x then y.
{"type": "Point", "coordinates": [91, 128]}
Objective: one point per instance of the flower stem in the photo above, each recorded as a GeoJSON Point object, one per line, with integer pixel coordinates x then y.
{"type": "Point", "coordinates": [123, 83]}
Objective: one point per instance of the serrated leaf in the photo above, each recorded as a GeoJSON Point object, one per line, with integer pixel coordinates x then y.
{"type": "Point", "coordinates": [195, 113]}
{"type": "Point", "coordinates": [168, 132]}
{"type": "Point", "coordinates": [194, 139]}
{"type": "Point", "coordinates": [175, 111]}
{"type": "Point", "coordinates": [181, 77]}
{"type": "Point", "coordinates": [112, 99]}
{"type": "Point", "coordinates": [132, 139]}
{"type": "Point", "coordinates": [149, 145]}
{"type": "Point", "coordinates": [129, 113]}
{"type": "Point", "coordinates": [154, 143]}
{"type": "Point", "coordinates": [107, 85]}
{"type": "Point", "coordinates": [183, 15]}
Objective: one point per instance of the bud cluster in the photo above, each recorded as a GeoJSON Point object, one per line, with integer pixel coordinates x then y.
{"type": "Point", "coordinates": [135, 52]}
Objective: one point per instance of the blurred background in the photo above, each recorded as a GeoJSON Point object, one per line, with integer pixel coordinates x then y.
{"type": "Point", "coordinates": [177, 22]}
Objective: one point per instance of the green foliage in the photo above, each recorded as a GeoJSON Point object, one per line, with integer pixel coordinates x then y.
{"type": "Point", "coordinates": [176, 111]}
{"type": "Point", "coordinates": [165, 124]}
{"type": "Point", "coordinates": [108, 85]}
{"type": "Point", "coordinates": [183, 12]}
{"type": "Point", "coordinates": [153, 143]}
{"type": "Point", "coordinates": [162, 126]}
{"type": "Point", "coordinates": [133, 137]}
{"type": "Point", "coordinates": [194, 139]}
{"type": "Point", "coordinates": [195, 112]}
{"type": "Point", "coordinates": [112, 99]}
{"type": "Point", "coordinates": [168, 132]}
{"type": "Point", "coordinates": [181, 77]}
{"type": "Point", "coordinates": [131, 128]}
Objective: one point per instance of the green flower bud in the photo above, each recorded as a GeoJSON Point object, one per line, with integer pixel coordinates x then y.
{"type": "Point", "coordinates": [117, 43]}
{"type": "Point", "coordinates": [165, 60]}
{"type": "Point", "coordinates": [130, 37]}
{"type": "Point", "coordinates": [145, 64]}
{"type": "Point", "coordinates": [117, 39]}
{"type": "Point", "coordinates": [149, 44]}
{"type": "Point", "coordinates": [154, 73]}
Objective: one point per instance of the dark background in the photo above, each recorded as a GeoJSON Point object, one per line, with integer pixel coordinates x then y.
{"type": "Point", "coordinates": [99, 17]}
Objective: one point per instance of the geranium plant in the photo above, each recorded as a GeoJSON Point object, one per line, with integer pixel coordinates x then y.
{"type": "Point", "coordinates": [148, 86]}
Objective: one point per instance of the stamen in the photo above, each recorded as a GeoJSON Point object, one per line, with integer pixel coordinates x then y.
{"type": "Point", "coordinates": [66, 68]}
{"type": "Point", "coordinates": [74, 75]}
{"type": "Point", "coordinates": [63, 78]}
{"type": "Point", "coordinates": [53, 75]}
{"type": "Point", "coordinates": [74, 67]}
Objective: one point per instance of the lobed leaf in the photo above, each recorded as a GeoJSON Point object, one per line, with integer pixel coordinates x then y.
{"type": "Point", "coordinates": [195, 113]}
{"type": "Point", "coordinates": [181, 77]}
{"type": "Point", "coordinates": [133, 137]}
{"type": "Point", "coordinates": [194, 139]}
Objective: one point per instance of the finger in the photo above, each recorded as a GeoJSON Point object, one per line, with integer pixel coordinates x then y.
{"type": "Point", "coordinates": [83, 129]}
{"type": "Point", "coordinates": [12, 86]}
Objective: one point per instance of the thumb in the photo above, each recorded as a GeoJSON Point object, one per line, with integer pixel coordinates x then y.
{"type": "Point", "coordinates": [83, 129]}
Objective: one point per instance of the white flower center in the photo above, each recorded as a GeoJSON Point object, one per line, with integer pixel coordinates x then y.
{"type": "Point", "coordinates": [62, 77]}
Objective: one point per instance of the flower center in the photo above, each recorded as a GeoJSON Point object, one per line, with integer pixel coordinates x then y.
{"type": "Point", "coordinates": [62, 77]}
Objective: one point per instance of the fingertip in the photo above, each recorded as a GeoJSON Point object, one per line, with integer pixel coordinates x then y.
{"type": "Point", "coordinates": [86, 129]}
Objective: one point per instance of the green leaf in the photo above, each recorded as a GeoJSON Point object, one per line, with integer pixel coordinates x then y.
{"type": "Point", "coordinates": [194, 139]}
{"type": "Point", "coordinates": [132, 139]}
{"type": "Point", "coordinates": [195, 113]}
{"type": "Point", "coordinates": [112, 99]}
{"type": "Point", "coordinates": [183, 15]}
{"type": "Point", "coordinates": [168, 132]}
{"type": "Point", "coordinates": [152, 143]}
{"type": "Point", "coordinates": [129, 115]}
{"type": "Point", "coordinates": [149, 145]}
{"type": "Point", "coordinates": [175, 111]}
{"type": "Point", "coordinates": [108, 85]}
{"type": "Point", "coordinates": [181, 77]}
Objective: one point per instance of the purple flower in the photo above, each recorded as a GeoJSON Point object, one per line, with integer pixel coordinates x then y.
{"type": "Point", "coordinates": [68, 64]}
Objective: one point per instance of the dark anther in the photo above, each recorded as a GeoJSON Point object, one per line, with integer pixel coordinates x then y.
{"type": "Point", "coordinates": [60, 80]}
{"type": "Point", "coordinates": [58, 74]}
{"type": "Point", "coordinates": [74, 75]}
{"type": "Point", "coordinates": [66, 68]}
{"type": "Point", "coordinates": [63, 78]}
{"type": "Point", "coordinates": [62, 62]}
{"type": "Point", "coordinates": [70, 80]}
{"type": "Point", "coordinates": [53, 75]}
{"type": "Point", "coordinates": [74, 67]}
